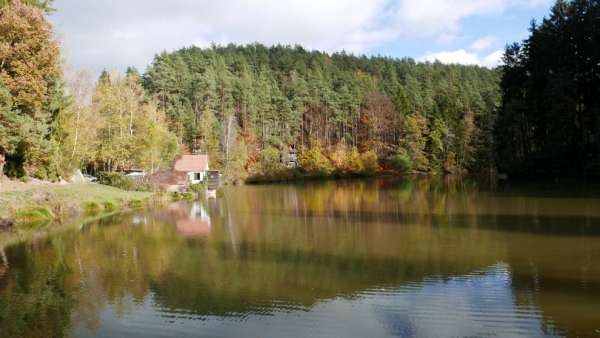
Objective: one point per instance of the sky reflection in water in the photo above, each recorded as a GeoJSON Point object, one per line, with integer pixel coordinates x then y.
{"type": "Point", "coordinates": [340, 259]}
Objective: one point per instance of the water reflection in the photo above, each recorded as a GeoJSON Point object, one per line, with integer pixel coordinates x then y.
{"type": "Point", "coordinates": [342, 259]}
{"type": "Point", "coordinates": [191, 221]}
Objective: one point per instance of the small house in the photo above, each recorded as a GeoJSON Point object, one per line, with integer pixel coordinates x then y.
{"type": "Point", "coordinates": [194, 166]}
{"type": "Point", "coordinates": [292, 161]}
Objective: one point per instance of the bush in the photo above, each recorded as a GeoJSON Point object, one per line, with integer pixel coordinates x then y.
{"type": "Point", "coordinates": [314, 162]}
{"type": "Point", "coordinates": [339, 157]}
{"type": "Point", "coordinates": [116, 180]}
{"type": "Point", "coordinates": [269, 161]}
{"type": "Point", "coordinates": [450, 165]}
{"type": "Point", "coordinates": [109, 206]}
{"type": "Point", "coordinates": [135, 204]}
{"type": "Point", "coordinates": [369, 161]}
{"type": "Point", "coordinates": [34, 214]}
{"type": "Point", "coordinates": [401, 161]}
{"type": "Point", "coordinates": [91, 207]}
{"type": "Point", "coordinates": [187, 196]}
{"type": "Point", "coordinates": [354, 162]}
{"type": "Point", "coordinates": [197, 188]}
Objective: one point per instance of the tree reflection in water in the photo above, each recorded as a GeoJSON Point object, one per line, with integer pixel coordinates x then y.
{"type": "Point", "coordinates": [354, 259]}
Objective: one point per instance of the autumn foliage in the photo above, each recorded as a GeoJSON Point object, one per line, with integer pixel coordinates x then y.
{"type": "Point", "coordinates": [31, 75]}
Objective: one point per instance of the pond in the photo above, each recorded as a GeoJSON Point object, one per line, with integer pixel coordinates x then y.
{"type": "Point", "coordinates": [361, 258]}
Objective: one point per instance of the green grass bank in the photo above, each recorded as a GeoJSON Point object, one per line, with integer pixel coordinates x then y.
{"type": "Point", "coordinates": [56, 201]}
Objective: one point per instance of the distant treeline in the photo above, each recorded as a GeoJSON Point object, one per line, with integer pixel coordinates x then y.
{"type": "Point", "coordinates": [428, 117]}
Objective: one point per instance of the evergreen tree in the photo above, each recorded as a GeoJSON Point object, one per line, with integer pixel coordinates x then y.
{"type": "Point", "coordinates": [9, 126]}
{"type": "Point", "coordinates": [281, 96]}
{"type": "Point", "coordinates": [549, 123]}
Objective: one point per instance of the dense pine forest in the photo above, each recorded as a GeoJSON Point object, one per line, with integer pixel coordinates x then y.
{"type": "Point", "coordinates": [239, 103]}
{"type": "Point", "coordinates": [549, 123]}
{"type": "Point", "coordinates": [248, 106]}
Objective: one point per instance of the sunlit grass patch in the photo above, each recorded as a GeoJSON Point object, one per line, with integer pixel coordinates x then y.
{"type": "Point", "coordinates": [34, 214]}
{"type": "Point", "coordinates": [109, 206]}
{"type": "Point", "coordinates": [135, 204]}
{"type": "Point", "coordinates": [91, 207]}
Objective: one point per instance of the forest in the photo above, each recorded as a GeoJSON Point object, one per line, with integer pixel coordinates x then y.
{"type": "Point", "coordinates": [247, 106]}
{"type": "Point", "coordinates": [549, 122]}
{"type": "Point", "coordinates": [53, 122]}
{"type": "Point", "coordinates": [264, 100]}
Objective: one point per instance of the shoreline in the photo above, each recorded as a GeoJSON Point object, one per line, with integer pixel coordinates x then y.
{"type": "Point", "coordinates": [116, 202]}
{"type": "Point", "coordinates": [291, 176]}
{"type": "Point", "coordinates": [295, 175]}
{"type": "Point", "coordinates": [34, 206]}
{"type": "Point", "coordinates": [18, 234]}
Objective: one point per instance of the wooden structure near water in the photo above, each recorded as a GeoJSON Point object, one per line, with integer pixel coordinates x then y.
{"type": "Point", "coordinates": [213, 182]}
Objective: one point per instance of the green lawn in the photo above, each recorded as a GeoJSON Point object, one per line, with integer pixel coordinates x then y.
{"type": "Point", "coordinates": [67, 197]}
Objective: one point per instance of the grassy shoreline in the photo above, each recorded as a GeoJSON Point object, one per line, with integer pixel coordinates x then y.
{"type": "Point", "coordinates": [20, 234]}
{"type": "Point", "coordinates": [51, 202]}
{"type": "Point", "coordinates": [67, 206]}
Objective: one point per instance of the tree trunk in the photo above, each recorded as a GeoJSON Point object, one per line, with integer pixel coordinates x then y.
{"type": "Point", "coordinates": [228, 137]}
{"type": "Point", "coordinates": [76, 132]}
{"type": "Point", "coordinates": [2, 162]}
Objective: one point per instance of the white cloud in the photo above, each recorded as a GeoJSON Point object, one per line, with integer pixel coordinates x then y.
{"type": "Point", "coordinates": [116, 33]}
{"type": "Point", "coordinates": [483, 43]}
{"type": "Point", "coordinates": [443, 17]}
{"type": "Point", "coordinates": [460, 56]}
{"type": "Point", "coordinates": [464, 57]}
{"type": "Point", "coordinates": [119, 33]}
{"type": "Point", "coordinates": [432, 17]}
{"type": "Point", "coordinates": [493, 59]}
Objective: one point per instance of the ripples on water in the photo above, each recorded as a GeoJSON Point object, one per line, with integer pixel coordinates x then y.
{"type": "Point", "coordinates": [360, 259]}
{"type": "Point", "coordinates": [478, 304]}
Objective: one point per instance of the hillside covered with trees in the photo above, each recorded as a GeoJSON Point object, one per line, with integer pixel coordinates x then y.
{"type": "Point", "coordinates": [246, 105]}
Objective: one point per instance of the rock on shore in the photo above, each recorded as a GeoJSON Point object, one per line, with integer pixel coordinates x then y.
{"type": "Point", "coordinates": [6, 223]}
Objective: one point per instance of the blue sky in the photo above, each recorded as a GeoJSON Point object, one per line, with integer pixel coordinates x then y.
{"type": "Point", "coordinates": [114, 34]}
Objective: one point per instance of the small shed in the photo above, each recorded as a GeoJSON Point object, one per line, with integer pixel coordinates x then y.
{"type": "Point", "coordinates": [170, 181]}
{"type": "Point", "coordinates": [292, 161]}
{"type": "Point", "coordinates": [213, 179]}
{"type": "Point", "coordinates": [194, 166]}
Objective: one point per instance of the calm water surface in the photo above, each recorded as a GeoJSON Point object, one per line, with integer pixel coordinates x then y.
{"type": "Point", "coordinates": [374, 258]}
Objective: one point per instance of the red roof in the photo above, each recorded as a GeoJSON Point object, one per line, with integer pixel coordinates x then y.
{"type": "Point", "coordinates": [192, 163]}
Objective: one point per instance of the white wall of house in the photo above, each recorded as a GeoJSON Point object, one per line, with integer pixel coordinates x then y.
{"type": "Point", "coordinates": [196, 177]}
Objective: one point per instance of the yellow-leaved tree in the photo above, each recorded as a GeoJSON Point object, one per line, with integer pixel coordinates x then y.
{"type": "Point", "coordinates": [124, 129]}
{"type": "Point", "coordinates": [31, 76]}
